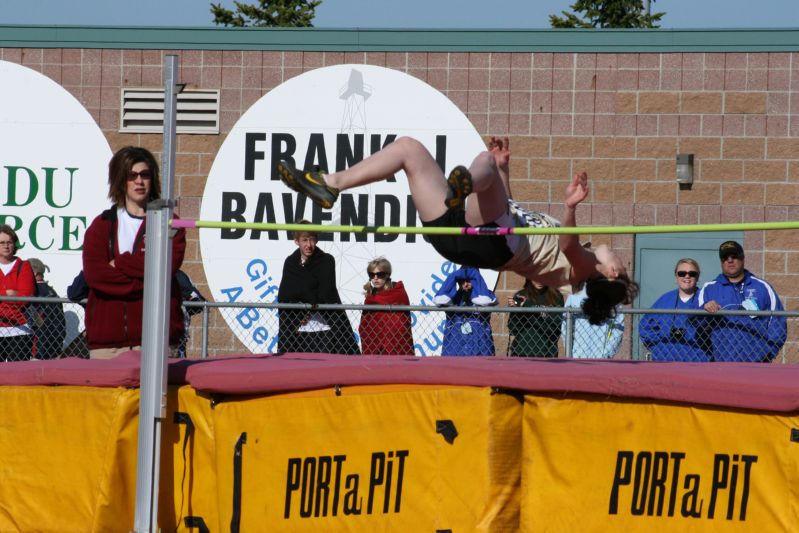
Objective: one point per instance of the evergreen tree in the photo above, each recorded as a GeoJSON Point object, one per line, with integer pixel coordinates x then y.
{"type": "Point", "coordinates": [607, 14]}
{"type": "Point", "coordinates": [268, 13]}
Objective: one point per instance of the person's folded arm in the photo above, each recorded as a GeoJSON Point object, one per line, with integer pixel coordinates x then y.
{"type": "Point", "coordinates": [99, 273]}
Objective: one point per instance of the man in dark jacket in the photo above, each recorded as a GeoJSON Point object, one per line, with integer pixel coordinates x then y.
{"type": "Point", "coordinates": [47, 319]}
{"type": "Point", "coordinates": [309, 276]}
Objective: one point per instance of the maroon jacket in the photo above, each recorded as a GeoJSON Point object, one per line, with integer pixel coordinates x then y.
{"type": "Point", "coordinates": [116, 294]}
{"type": "Point", "coordinates": [386, 332]}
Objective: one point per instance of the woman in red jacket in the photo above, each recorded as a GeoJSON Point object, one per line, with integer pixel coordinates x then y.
{"type": "Point", "coordinates": [113, 258]}
{"type": "Point", "coordinates": [16, 279]}
{"type": "Point", "coordinates": [385, 332]}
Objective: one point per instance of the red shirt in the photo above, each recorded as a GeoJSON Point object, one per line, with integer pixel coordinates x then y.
{"type": "Point", "coordinates": [386, 332]}
{"type": "Point", "coordinates": [20, 279]}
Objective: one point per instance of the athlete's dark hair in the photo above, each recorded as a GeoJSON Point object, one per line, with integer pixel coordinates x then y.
{"type": "Point", "coordinates": [604, 295]}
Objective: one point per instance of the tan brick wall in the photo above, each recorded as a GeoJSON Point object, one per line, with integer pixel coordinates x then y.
{"type": "Point", "coordinates": [623, 117]}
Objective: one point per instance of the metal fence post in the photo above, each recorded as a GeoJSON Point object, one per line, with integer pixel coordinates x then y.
{"type": "Point", "coordinates": [204, 347]}
{"type": "Point", "coordinates": [569, 340]}
{"type": "Point", "coordinates": [155, 323]}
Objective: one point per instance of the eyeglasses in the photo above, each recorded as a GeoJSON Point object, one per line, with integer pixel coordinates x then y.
{"type": "Point", "coordinates": [734, 257]}
{"type": "Point", "coordinates": [144, 174]}
{"type": "Point", "coordinates": [381, 275]}
{"type": "Point", "coordinates": [6, 243]}
{"type": "Point", "coordinates": [689, 273]}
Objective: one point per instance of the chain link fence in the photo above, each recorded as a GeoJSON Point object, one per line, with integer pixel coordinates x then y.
{"type": "Point", "coordinates": [55, 329]}
{"type": "Point", "coordinates": [636, 334]}
{"type": "Point", "coordinates": [41, 328]}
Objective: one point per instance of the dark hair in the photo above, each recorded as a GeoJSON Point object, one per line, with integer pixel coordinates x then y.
{"type": "Point", "coordinates": [119, 169]}
{"type": "Point", "coordinates": [551, 296]}
{"type": "Point", "coordinates": [8, 230]}
{"type": "Point", "coordinates": [300, 233]}
{"type": "Point", "coordinates": [604, 295]}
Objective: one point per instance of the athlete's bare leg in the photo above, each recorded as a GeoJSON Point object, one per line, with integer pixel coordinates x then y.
{"type": "Point", "coordinates": [426, 181]}
{"type": "Point", "coordinates": [490, 198]}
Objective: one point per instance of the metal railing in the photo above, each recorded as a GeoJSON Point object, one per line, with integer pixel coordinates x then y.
{"type": "Point", "coordinates": [218, 328]}
{"type": "Point", "coordinates": [548, 331]}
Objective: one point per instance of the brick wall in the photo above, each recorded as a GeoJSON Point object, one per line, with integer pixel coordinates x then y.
{"type": "Point", "coordinates": [623, 117]}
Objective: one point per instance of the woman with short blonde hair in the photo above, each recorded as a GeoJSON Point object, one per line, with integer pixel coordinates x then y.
{"type": "Point", "coordinates": [385, 332]}
{"type": "Point", "coordinates": [677, 337]}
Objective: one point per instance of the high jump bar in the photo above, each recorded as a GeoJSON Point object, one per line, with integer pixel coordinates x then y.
{"type": "Point", "coordinates": [486, 230]}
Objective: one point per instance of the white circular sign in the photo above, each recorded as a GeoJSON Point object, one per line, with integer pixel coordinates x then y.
{"type": "Point", "coordinates": [54, 168]}
{"type": "Point", "coordinates": [331, 117]}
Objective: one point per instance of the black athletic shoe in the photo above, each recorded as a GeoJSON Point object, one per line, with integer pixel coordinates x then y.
{"type": "Point", "coordinates": [460, 186]}
{"type": "Point", "coordinates": [311, 183]}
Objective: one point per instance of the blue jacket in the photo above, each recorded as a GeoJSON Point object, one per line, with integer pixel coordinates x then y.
{"type": "Point", "coordinates": [743, 338]}
{"type": "Point", "coordinates": [466, 333]}
{"type": "Point", "coordinates": [674, 337]}
{"type": "Point", "coordinates": [589, 341]}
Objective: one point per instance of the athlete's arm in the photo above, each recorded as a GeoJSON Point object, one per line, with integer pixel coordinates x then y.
{"type": "Point", "coordinates": [582, 260]}
{"type": "Point", "coordinates": [500, 149]}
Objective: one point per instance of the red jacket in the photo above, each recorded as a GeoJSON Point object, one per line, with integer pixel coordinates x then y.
{"type": "Point", "coordinates": [116, 294]}
{"type": "Point", "coordinates": [386, 332]}
{"type": "Point", "coordinates": [19, 279]}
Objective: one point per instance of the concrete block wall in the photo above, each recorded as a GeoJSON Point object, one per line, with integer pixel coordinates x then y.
{"type": "Point", "coordinates": [623, 117]}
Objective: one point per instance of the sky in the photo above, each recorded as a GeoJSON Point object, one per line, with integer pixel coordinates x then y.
{"type": "Point", "coordinates": [396, 13]}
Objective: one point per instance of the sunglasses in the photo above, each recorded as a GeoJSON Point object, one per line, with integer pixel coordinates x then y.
{"type": "Point", "coordinates": [381, 275]}
{"type": "Point", "coordinates": [144, 174]}
{"type": "Point", "coordinates": [734, 257]}
{"type": "Point", "coordinates": [689, 273]}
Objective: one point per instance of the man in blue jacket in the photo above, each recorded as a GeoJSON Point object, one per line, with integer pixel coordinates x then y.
{"type": "Point", "coordinates": [742, 337]}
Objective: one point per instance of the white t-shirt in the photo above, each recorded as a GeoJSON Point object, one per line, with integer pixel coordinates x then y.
{"type": "Point", "coordinates": [7, 268]}
{"type": "Point", "coordinates": [127, 229]}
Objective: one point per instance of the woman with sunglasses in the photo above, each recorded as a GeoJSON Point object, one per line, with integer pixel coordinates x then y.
{"type": "Point", "coordinates": [385, 332]}
{"type": "Point", "coordinates": [16, 279]}
{"type": "Point", "coordinates": [676, 337]}
{"type": "Point", "coordinates": [113, 258]}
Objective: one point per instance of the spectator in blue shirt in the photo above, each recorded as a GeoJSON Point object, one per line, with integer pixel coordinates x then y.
{"type": "Point", "coordinates": [741, 337]}
{"type": "Point", "coordinates": [675, 337]}
{"type": "Point", "coordinates": [466, 332]}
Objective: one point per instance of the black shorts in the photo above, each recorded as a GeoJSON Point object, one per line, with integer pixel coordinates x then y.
{"type": "Point", "coordinates": [476, 251]}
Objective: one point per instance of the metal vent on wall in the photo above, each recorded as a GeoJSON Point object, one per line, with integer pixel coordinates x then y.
{"type": "Point", "coordinates": [143, 111]}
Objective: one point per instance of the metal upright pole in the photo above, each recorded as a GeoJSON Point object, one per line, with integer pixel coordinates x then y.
{"type": "Point", "coordinates": [155, 326]}
{"type": "Point", "coordinates": [204, 352]}
{"type": "Point", "coordinates": [569, 340]}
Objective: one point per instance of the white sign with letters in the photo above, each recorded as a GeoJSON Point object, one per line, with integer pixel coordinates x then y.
{"type": "Point", "coordinates": [55, 172]}
{"type": "Point", "coordinates": [332, 117]}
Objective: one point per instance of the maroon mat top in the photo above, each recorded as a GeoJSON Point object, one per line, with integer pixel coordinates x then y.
{"type": "Point", "coordinates": [122, 371]}
{"type": "Point", "coordinates": [736, 385]}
